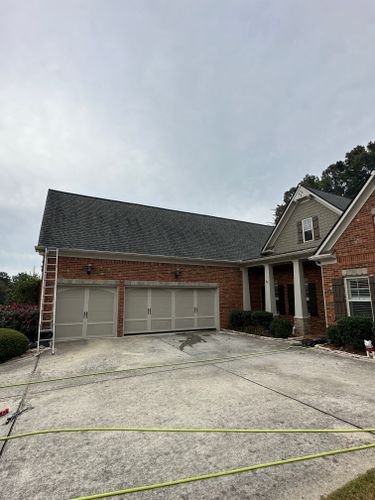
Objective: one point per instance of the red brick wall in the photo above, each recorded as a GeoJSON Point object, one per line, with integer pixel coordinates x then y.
{"type": "Point", "coordinates": [354, 249]}
{"type": "Point", "coordinates": [283, 275]}
{"type": "Point", "coordinates": [256, 281]}
{"type": "Point", "coordinates": [228, 278]}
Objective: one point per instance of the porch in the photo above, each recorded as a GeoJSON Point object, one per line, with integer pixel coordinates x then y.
{"type": "Point", "coordinates": [291, 290]}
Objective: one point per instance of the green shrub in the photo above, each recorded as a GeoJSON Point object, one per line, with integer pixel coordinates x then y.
{"type": "Point", "coordinates": [247, 318]}
{"type": "Point", "coordinates": [236, 320]}
{"type": "Point", "coordinates": [12, 344]}
{"type": "Point", "coordinates": [353, 331]}
{"type": "Point", "coordinates": [255, 330]}
{"type": "Point", "coordinates": [262, 318]}
{"type": "Point", "coordinates": [334, 336]}
{"type": "Point", "coordinates": [281, 328]}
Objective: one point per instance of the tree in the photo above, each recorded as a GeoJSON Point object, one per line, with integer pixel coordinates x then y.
{"type": "Point", "coordinates": [24, 289]}
{"type": "Point", "coordinates": [344, 178]}
{"type": "Point", "coordinates": [4, 286]}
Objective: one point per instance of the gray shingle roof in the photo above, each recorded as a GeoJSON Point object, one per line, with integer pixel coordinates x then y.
{"type": "Point", "coordinates": [87, 223]}
{"type": "Point", "coordinates": [337, 201]}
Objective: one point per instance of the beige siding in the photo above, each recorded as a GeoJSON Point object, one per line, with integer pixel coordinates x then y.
{"type": "Point", "coordinates": [288, 238]}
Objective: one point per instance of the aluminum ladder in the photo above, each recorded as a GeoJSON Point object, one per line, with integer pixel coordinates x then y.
{"type": "Point", "coordinates": [47, 310]}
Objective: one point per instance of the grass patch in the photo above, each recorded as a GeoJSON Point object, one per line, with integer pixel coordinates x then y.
{"type": "Point", "coordinates": [361, 488]}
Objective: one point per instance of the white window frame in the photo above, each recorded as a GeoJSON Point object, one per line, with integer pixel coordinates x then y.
{"type": "Point", "coordinates": [357, 299]}
{"type": "Point", "coordinates": [310, 219]}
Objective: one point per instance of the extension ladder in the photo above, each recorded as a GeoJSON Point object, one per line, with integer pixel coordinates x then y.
{"type": "Point", "coordinates": [47, 311]}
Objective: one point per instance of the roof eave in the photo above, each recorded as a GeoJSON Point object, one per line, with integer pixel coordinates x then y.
{"type": "Point", "coordinates": [138, 256]}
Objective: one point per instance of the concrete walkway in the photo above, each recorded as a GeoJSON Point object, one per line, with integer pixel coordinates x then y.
{"type": "Point", "coordinates": [296, 388]}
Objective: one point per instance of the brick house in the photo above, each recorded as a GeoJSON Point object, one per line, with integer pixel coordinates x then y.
{"type": "Point", "coordinates": [347, 259]}
{"type": "Point", "coordinates": [125, 268]}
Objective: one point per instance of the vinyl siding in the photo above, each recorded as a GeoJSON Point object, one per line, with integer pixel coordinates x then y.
{"type": "Point", "coordinates": [288, 238]}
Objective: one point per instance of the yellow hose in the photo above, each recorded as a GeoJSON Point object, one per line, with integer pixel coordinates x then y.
{"type": "Point", "coordinates": [224, 473]}
{"type": "Point", "coordinates": [107, 372]}
{"type": "Point", "coordinates": [186, 430]}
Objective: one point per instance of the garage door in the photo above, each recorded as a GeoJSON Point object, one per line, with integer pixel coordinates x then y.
{"type": "Point", "coordinates": [165, 309]}
{"type": "Point", "coordinates": [83, 312]}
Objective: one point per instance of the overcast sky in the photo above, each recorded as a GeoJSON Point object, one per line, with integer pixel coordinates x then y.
{"type": "Point", "coordinates": [211, 106]}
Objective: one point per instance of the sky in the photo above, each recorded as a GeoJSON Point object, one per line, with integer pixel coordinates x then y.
{"type": "Point", "coordinates": [208, 106]}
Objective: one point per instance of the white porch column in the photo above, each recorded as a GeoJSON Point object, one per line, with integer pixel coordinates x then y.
{"type": "Point", "coordinates": [301, 316]}
{"type": "Point", "coordinates": [245, 289]}
{"type": "Point", "coordinates": [300, 304]}
{"type": "Point", "coordinates": [269, 289]}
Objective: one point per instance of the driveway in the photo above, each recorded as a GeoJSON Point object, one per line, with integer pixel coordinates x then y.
{"type": "Point", "coordinates": [297, 388]}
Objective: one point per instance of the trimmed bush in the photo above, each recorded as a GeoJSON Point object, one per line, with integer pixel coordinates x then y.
{"type": "Point", "coordinates": [281, 328]}
{"type": "Point", "coordinates": [239, 319]}
{"type": "Point", "coordinates": [236, 320]}
{"type": "Point", "coordinates": [262, 318]}
{"type": "Point", "coordinates": [247, 318]}
{"type": "Point", "coordinates": [334, 336]}
{"type": "Point", "coordinates": [21, 317]}
{"type": "Point", "coordinates": [12, 344]}
{"type": "Point", "coordinates": [353, 331]}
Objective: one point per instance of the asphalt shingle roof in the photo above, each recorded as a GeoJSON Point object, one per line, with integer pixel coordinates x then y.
{"type": "Point", "coordinates": [87, 223]}
{"type": "Point", "coordinates": [337, 201]}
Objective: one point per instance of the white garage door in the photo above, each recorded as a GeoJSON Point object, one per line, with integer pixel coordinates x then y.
{"type": "Point", "coordinates": [85, 312]}
{"type": "Point", "coordinates": [165, 309]}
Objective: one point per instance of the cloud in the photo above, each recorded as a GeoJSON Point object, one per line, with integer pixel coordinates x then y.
{"type": "Point", "coordinates": [214, 107]}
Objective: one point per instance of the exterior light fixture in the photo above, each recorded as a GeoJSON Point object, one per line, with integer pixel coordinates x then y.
{"type": "Point", "coordinates": [88, 268]}
{"type": "Point", "coordinates": [177, 273]}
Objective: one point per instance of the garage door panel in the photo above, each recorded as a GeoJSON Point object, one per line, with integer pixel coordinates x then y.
{"type": "Point", "coordinates": [68, 331]}
{"type": "Point", "coordinates": [136, 303]}
{"type": "Point", "coordinates": [206, 302]}
{"type": "Point", "coordinates": [184, 323]}
{"type": "Point", "coordinates": [169, 309]}
{"type": "Point", "coordinates": [85, 312]}
{"type": "Point", "coordinates": [101, 305]}
{"type": "Point", "coordinates": [206, 322]}
{"type": "Point", "coordinates": [69, 305]}
{"type": "Point", "coordinates": [161, 324]}
{"type": "Point", "coordinates": [184, 300]}
{"type": "Point", "coordinates": [136, 326]}
{"type": "Point", "coordinates": [161, 303]}
{"type": "Point", "coordinates": [100, 330]}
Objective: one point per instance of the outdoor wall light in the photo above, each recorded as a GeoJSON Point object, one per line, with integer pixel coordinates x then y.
{"type": "Point", "coordinates": [88, 268]}
{"type": "Point", "coordinates": [177, 273]}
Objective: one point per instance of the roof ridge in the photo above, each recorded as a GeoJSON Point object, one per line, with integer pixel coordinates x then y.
{"type": "Point", "coordinates": [157, 208]}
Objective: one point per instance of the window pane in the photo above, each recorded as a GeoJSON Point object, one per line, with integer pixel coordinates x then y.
{"type": "Point", "coordinates": [358, 288]}
{"type": "Point", "coordinates": [307, 224]}
{"type": "Point", "coordinates": [308, 235]}
{"type": "Point", "coordinates": [363, 309]}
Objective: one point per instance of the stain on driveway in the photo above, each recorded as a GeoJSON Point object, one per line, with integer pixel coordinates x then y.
{"type": "Point", "coordinates": [190, 340]}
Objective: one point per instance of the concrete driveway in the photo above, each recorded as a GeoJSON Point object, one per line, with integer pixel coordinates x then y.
{"type": "Point", "coordinates": [296, 388]}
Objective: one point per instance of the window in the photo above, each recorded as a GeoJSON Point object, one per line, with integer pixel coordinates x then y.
{"type": "Point", "coordinates": [358, 297]}
{"type": "Point", "coordinates": [307, 229]}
